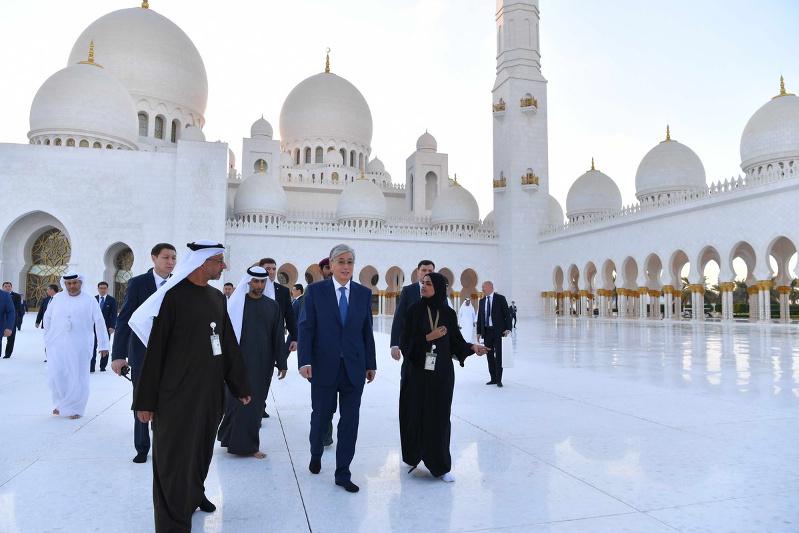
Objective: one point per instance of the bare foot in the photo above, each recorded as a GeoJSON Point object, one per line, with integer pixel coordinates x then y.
{"type": "Point", "coordinates": [56, 412]}
{"type": "Point", "coordinates": [74, 417]}
{"type": "Point", "coordinates": [259, 455]}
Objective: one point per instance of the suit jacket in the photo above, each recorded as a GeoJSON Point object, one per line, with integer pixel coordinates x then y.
{"type": "Point", "coordinates": [42, 309]}
{"type": "Point", "coordinates": [126, 344]}
{"type": "Point", "coordinates": [409, 295]}
{"type": "Point", "coordinates": [500, 315]}
{"type": "Point", "coordinates": [283, 299]}
{"type": "Point", "coordinates": [323, 340]}
{"type": "Point", "coordinates": [296, 308]}
{"type": "Point", "coordinates": [8, 317]}
{"type": "Point", "coordinates": [109, 310]}
{"type": "Point", "coordinates": [19, 308]}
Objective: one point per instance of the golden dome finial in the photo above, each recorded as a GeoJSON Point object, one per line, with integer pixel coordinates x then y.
{"type": "Point", "coordinates": [592, 164]}
{"type": "Point", "coordinates": [327, 60]}
{"type": "Point", "coordinates": [90, 58]}
{"type": "Point", "coordinates": [668, 133]}
{"type": "Point", "coordinates": [782, 86]}
{"type": "Point", "coordinates": [145, 4]}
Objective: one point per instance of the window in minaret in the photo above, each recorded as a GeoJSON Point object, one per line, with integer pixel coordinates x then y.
{"type": "Point", "coordinates": [352, 158]}
{"type": "Point", "coordinates": [159, 127]}
{"type": "Point", "coordinates": [175, 128]}
{"type": "Point", "coordinates": [430, 189]}
{"type": "Point", "coordinates": [360, 161]}
{"type": "Point", "coordinates": [84, 143]}
{"type": "Point", "coordinates": [97, 145]}
{"type": "Point", "coordinates": [308, 156]}
{"type": "Point", "coordinates": [343, 156]}
{"type": "Point", "coordinates": [144, 124]}
{"type": "Point", "coordinates": [320, 155]}
{"type": "Point", "coordinates": [296, 156]}
{"type": "Point", "coordinates": [70, 142]}
{"type": "Point", "coordinates": [58, 142]}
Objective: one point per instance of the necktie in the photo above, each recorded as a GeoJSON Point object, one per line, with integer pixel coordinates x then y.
{"type": "Point", "coordinates": [342, 304]}
{"type": "Point", "coordinates": [102, 299]}
{"type": "Point", "coordinates": [162, 283]}
{"type": "Point", "coordinates": [488, 312]}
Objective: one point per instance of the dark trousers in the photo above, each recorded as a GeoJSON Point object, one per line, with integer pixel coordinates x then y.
{"type": "Point", "coordinates": [514, 321]}
{"type": "Point", "coordinates": [103, 359]}
{"type": "Point", "coordinates": [141, 430]}
{"type": "Point", "coordinates": [10, 342]}
{"type": "Point", "coordinates": [323, 403]}
{"type": "Point", "coordinates": [493, 340]}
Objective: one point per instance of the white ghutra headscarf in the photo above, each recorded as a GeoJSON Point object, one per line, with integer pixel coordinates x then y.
{"type": "Point", "coordinates": [235, 304]}
{"type": "Point", "coordinates": [141, 321]}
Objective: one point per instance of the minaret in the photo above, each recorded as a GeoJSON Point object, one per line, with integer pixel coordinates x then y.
{"type": "Point", "coordinates": [521, 173]}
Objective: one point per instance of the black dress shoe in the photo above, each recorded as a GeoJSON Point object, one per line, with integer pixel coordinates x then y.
{"type": "Point", "coordinates": [315, 465]}
{"type": "Point", "coordinates": [499, 384]}
{"type": "Point", "coordinates": [206, 506]}
{"type": "Point", "coordinates": [265, 415]}
{"type": "Point", "coordinates": [140, 458]}
{"type": "Point", "coordinates": [349, 486]}
{"type": "Point", "coordinates": [102, 370]}
{"type": "Point", "coordinates": [492, 382]}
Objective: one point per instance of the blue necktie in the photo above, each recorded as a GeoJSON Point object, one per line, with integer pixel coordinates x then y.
{"type": "Point", "coordinates": [342, 304]}
{"type": "Point", "coordinates": [102, 300]}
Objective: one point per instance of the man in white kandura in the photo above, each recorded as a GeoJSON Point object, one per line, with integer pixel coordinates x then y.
{"type": "Point", "coordinates": [70, 323]}
{"type": "Point", "coordinates": [467, 318]}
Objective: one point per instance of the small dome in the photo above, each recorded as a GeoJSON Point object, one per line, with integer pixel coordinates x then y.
{"type": "Point", "coordinates": [554, 212]}
{"type": "Point", "coordinates": [260, 194]}
{"type": "Point", "coordinates": [669, 167]}
{"type": "Point", "coordinates": [426, 143]}
{"type": "Point", "coordinates": [261, 128]}
{"type": "Point", "coordinates": [592, 193]}
{"type": "Point", "coordinates": [191, 133]}
{"type": "Point", "coordinates": [455, 205]}
{"type": "Point", "coordinates": [375, 166]}
{"type": "Point", "coordinates": [772, 134]}
{"type": "Point", "coordinates": [151, 56]}
{"type": "Point", "coordinates": [489, 219]}
{"type": "Point", "coordinates": [84, 100]}
{"type": "Point", "coordinates": [333, 157]}
{"type": "Point", "coordinates": [326, 106]}
{"type": "Point", "coordinates": [361, 199]}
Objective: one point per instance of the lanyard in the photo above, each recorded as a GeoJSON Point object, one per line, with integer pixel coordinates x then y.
{"type": "Point", "coordinates": [433, 325]}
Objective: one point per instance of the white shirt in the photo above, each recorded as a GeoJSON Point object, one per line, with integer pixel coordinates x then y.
{"type": "Point", "coordinates": [158, 280]}
{"type": "Point", "coordinates": [270, 288]}
{"type": "Point", "coordinates": [338, 285]}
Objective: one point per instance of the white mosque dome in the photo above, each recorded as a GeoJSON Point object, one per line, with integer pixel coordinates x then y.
{"type": "Point", "coordinates": [455, 205]}
{"type": "Point", "coordinates": [260, 194]}
{"type": "Point", "coordinates": [426, 143]}
{"type": "Point", "coordinates": [192, 133]}
{"type": "Point", "coordinates": [333, 157]}
{"type": "Point", "coordinates": [361, 199]}
{"type": "Point", "coordinates": [554, 212]}
{"type": "Point", "coordinates": [83, 100]}
{"type": "Point", "coordinates": [489, 219]}
{"type": "Point", "coordinates": [326, 106]}
{"type": "Point", "coordinates": [261, 128]}
{"type": "Point", "coordinates": [375, 166]}
{"type": "Point", "coordinates": [669, 167]}
{"type": "Point", "coordinates": [592, 193]}
{"type": "Point", "coordinates": [152, 57]}
{"type": "Point", "coordinates": [772, 134]}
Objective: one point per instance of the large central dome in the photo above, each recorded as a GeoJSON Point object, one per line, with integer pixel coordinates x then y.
{"type": "Point", "coordinates": [152, 57]}
{"type": "Point", "coordinates": [326, 107]}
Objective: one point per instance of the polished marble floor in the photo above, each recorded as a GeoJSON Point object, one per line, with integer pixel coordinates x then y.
{"type": "Point", "coordinates": [601, 427]}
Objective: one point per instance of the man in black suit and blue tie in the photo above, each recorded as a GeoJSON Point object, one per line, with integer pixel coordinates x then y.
{"type": "Point", "coordinates": [108, 307]}
{"type": "Point", "coordinates": [128, 349]}
{"type": "Point", "coordinates": [409, 295]}
{"type": "Point", "coordinates": [493, 323]}
{"type": "Point", "coordinates": [336, 353]}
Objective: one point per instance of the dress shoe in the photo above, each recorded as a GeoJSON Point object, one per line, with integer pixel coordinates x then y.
{"type": "Point", "coordinates": [102, 370]}
{"type": "Point", "coordinates": [206, 506]}
{"type": "Point", "coordinates": [492, 382]}
{"type": "Point", "coordinates": [265, 415]}
{"type": "Point", "coordinates": [315, 465]}
{"type": "Point", "coordinates": [499, 384]}
{"type": "Point", "coordinates": [349, 486]}
{"type": "Point", "coordinates": [140, 458]}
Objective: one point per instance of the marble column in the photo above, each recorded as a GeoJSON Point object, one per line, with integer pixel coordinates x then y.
{"type": "Point", "coordinates": [784, 292]}
{"type": "Point", "coordinates": [668, 309]}
{"type": "Point", "coordinates": [764, 294]}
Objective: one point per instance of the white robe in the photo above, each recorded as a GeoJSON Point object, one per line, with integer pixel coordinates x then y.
{"type": "Point", "coordinates": [467, 316]}
{"type": "Point", "coordinates": [70, 323]}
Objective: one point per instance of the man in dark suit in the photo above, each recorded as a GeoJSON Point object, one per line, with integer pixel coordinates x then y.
{"type": "Point", "coordinates": [281, 295]}
{"type": "Point", "coordinates": [493, 323]}
{"type": "Point", "coordinates": [108, 307]}
{"type": "Point", "coordinates": [19, 313]}
{"type": "Point", "coordinates": [409, 295]}
{"type": "Point", "coordinates": [128, 349]}
{"type": "Point", "coordinates": [337, 354]}
{"type": "Point", "coordinates": [52, 290]}
{"type": "Point", "coordinates": [8, 318]}
{"type": "Point", "coordinates": [297, 299]}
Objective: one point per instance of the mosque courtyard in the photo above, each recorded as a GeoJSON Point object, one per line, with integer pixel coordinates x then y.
{"type": "Point", "coordinates": [602, 426]}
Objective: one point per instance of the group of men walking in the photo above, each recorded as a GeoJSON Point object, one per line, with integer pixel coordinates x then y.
{"type": "Point", "coordinates": [201, 361]}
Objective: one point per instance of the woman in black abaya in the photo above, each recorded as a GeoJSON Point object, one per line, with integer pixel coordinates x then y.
{"type": "Point", "coordinates": [430, 341]}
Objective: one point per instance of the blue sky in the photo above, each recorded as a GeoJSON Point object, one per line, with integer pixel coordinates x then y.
{"type": "Point", "coordinates": [618, 71]}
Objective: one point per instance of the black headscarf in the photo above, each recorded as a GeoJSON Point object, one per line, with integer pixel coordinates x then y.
{"type": "Point", "coordinates": [439, 299]}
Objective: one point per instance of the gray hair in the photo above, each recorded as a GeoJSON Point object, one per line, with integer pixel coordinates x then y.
{"type": "Point", "coordinates": [340, 249]}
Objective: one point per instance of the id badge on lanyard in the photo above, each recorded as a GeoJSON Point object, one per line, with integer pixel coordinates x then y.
{"type": "Point", "coordinates": [216, 345]}
{"type": "Point", "coordinates": [430, 357]}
